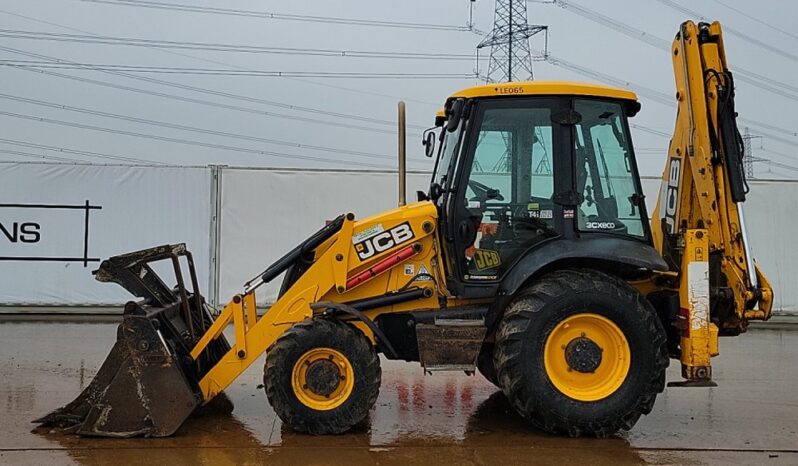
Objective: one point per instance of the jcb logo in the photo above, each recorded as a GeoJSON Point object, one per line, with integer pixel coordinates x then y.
{"type": "Point", "coordinates": [486, 259]}
{"type": "Point", "coordinates": [670, 206]}
{"type": "Point", "coordinates": [383, 241]}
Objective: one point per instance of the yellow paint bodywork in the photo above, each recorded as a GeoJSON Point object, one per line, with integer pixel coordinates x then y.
{"type": "Point", "coordinates": [336, 260]}
{"type": "Point", "coordinates": [699, 340]}
{"type": "Point", "coordinates": [545, 88]}
{"type": "Point", "coordinates": [695, 215]}
{"type": "Point", "coordinates": [703, 200]}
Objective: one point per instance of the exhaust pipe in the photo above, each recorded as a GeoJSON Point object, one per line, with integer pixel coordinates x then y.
{"type": "Point", "coordinates": [402, 154]}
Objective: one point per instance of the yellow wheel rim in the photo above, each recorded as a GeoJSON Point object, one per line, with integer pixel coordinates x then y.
{"type": "Point", "coordinates": [587, 357]}
{"type": "Point", "coordinates": [322, 379]}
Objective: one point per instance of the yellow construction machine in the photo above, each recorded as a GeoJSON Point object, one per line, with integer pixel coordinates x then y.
{"type": "Point", "coordinates": [531, 258]}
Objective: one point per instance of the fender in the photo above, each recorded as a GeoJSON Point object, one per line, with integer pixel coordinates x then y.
{"type": "Point", "coordinates": [614, 251]}
{"type": "Point", "coordinates": [621, 251]}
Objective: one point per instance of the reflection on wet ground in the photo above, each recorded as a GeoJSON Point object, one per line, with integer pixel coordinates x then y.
{"type": "Point", "coordinates": [751, 418]}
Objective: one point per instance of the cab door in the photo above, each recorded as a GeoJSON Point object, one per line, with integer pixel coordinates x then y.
{"type": "Point", "coordinates": [503, 201]}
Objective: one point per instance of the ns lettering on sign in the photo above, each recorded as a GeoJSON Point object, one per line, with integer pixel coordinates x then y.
{"type": "Point", "coordinates": [21, 232]}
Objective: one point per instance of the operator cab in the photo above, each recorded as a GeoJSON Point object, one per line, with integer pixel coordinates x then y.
{"type": "Point", "coordinates": [522, 165]}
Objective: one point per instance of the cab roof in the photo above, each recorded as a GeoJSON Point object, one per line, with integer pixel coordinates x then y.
{"type": "Point", "coordinates": [545, 88]}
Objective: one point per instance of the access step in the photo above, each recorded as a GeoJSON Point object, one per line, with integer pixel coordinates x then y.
{"type": "Point", "coordinates": [450, 344]}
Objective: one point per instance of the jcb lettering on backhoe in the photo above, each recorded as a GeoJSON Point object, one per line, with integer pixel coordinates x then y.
{"type": "Point", "coordinates": [383, 241]}
{"type": "Point", "coordinates": [671, 191]}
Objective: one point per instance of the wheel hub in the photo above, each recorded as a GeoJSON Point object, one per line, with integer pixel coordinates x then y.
{"type": "Point", "coordinates": [583, 355]}
{"type": "Point", "coordinates": [587, 357]}
{"type": "Point", "coordinates": [322, 377]}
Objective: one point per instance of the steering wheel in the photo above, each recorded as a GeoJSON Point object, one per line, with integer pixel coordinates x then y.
{"type": "Point", "coordinates": [483, 192]}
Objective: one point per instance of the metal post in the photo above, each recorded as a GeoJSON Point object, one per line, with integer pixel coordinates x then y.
{"type": "Point", "coordinates": [402, 154]}
{"type": "Point", "coordinates": [215, 234]}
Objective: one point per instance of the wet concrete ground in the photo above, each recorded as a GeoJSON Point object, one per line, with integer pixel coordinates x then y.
{"type": "Point", "coordinates": [751, 418]}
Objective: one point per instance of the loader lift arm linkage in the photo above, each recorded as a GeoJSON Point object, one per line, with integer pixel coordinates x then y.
{"type": "Point", "coordinates": [698, 224]}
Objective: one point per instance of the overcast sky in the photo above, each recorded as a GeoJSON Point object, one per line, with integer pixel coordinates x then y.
{"type": "Point", "coordinates": [259, 124]}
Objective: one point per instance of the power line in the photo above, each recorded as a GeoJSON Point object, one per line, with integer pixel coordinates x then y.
{"type": "Point", "coordinates": [781, 154]}
{"type": "Point", "coordinates": [363, 91]}
{"type": "Point", "coordinates": [219, 47]}
{"type": "Point", "coordinates": [764, 23]}
{"type": "Point", "coordinates": [164, 124]}
{"type": "Point", "coordinates": [217, 62]}
{"type": "Point", "coordinates": [282, 16]}
{"type": "Point", "coordinates": [185, 141]}
{"type": "Point", "coordinates": [99, 155]}
{"type": "Point", "coordinates": [659, 42]}
{"type": "Point", "coordinates": [39, 156]}
{"type": "Point", "coordinates": [766, 79]}
{"type": "Point", "coordinates": [224, 94]}
{"type": "Point", "coordinates": [649, 130]}
{"type": "Point", "coordinates": [777, 164]}
{"type": "Point", "coordinates": [215, 93]}
{"type": "Point", "coordinates": [676, 6]}
{"type": "Point", "coordinates": [204, 102]}
{"type": "Point", "coordinates": [228, 72]}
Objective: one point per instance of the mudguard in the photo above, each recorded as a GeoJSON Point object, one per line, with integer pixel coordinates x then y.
{"type": "Point", "coordinates": [591, 250]}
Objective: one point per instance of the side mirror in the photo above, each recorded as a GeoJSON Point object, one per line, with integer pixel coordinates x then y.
{"type": "Point", "coordinates": [455, 114]}
{"type": "Point", "coordinates": [428, 141]}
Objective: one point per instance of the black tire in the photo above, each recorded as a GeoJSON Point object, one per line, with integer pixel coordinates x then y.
{"type": "Point", "coordinates": [485, 364]}
{"type": "Point", "coordinates": [297, 341]}
{"type": "Point", "coordinates": [536, 312]}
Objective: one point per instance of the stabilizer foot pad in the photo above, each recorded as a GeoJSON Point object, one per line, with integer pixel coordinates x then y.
{"type": "Point", "coordinates": [693, 383]}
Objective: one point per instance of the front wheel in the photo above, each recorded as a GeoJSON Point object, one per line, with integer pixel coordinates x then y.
{"type": "Point", "coordinates": [581, 352]}
{"type": "Point", "coordinates": [322, 376]}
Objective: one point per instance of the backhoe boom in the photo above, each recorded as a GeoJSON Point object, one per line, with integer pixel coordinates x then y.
{"type": "Point", "coordinates": [698, 225]}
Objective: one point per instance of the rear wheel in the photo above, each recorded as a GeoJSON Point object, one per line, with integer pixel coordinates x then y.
{"type": "Point", "coordinates": [581, 352]}
{"type": "Point", "coordinates": [322, 376]}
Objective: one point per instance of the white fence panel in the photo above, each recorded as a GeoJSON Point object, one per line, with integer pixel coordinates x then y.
{"type": "Point", "coordinates": [47, 249]}
{"type": "Point", "coordinates": [50, 241]}
{"type": "Point", "coordinates": [265, 213]}
{"type": "Point", "coordinates": [770, 215]}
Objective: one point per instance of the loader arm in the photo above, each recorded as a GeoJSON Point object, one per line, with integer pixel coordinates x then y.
{"type": "Point", "coordinates": [698, 224]}
{"type": "Point", "coordinates": [343, 274]}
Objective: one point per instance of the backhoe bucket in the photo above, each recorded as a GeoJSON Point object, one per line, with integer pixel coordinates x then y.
{"type": "Point", "coordinates": [148, 384]}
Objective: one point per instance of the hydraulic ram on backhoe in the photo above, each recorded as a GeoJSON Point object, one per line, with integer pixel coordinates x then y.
{"type": "Point", "coordinates": [698, 225]}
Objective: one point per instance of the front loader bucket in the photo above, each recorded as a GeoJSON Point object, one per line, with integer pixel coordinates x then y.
{"type": "Point", "coordinates": [140, 389]}
{"type": "Point", "coordinates": [148, 384]}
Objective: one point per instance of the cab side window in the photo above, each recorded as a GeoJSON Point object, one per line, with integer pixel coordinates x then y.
{"type": "Point", "coordinates": [604, 171]}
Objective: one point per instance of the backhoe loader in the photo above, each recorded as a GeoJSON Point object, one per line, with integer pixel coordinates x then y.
{"type": "Point", "coordinates": [531, 258]}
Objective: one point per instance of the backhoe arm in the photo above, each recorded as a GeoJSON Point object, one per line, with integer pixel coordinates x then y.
{"type": "Point", "coordinates": [698, 224]}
